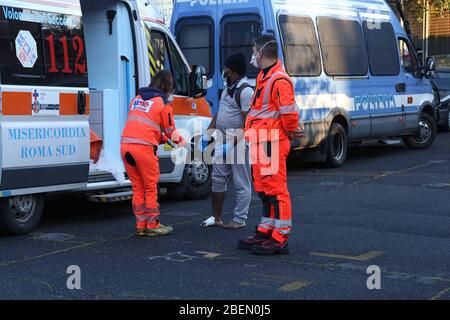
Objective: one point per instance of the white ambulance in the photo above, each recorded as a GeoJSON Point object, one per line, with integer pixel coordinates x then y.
{"type": "Point", "coordinates": [68, 67]}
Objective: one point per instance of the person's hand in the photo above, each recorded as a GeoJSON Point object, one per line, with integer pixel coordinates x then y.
{"type": "Point", "coordinates": [181, 144]}
{"type": "Point", "coordinates": [297, 134]}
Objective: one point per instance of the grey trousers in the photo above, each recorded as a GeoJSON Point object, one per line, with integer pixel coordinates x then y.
{"type": "Point", "coordinates": [242, 181]}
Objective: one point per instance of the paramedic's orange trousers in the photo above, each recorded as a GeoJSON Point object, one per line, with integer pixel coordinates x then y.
{"type": "Point", "coordinates": [270, 181]}
{"type": "Point", "coordinates": [142, 166]}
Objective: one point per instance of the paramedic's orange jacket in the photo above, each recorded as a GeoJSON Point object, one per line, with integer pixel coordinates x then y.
{"type": "Point", "coordinates": [273, 105]}
{"type": "Point", "coordinates": [150, 120]}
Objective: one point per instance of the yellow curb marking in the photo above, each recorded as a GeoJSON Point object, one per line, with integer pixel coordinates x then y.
{"type": "Point", "coordinates": [363, 257]}
{"type": "Point", "coordinates": [440, 294]}
{"type": "Point", "coordinates": [293, 286]}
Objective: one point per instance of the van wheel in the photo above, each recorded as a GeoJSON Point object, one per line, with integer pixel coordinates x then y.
{"type": "Point", "coordinates": [20, 215]}
{"type": "Point", "coordinates": [195, 184]}
{"type": "Point", "coordinates": [425, 135]}
{"type": "Point", "coordinates": [336, 146]}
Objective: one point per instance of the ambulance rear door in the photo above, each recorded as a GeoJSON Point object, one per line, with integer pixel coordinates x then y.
{"type": "Point", "coordinates": [45, 141]}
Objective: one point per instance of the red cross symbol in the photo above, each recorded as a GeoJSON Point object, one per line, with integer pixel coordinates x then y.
{"type": "Point", "coordinates": [35, 95]}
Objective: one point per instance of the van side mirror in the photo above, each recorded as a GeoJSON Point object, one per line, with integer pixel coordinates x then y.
{"type": "Point", "coordinates": [198, 81]}
{"type": "Point", "coordinates": [430, 68]}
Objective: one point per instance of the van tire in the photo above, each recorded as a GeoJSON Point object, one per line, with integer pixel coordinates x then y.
{"type": "Point", "coordinates": [190, 187]}
{"type": "Point", "coordinates": [20, 215]}
{"type": "Point", "coordinates": [445, 127]}
{"type": "Point", "coordinates": [336, 146]}
{"type": "Point", "coordinates": [425, 135]}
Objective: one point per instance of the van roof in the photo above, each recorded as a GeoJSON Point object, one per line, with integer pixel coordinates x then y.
{"type": "Point", "coordinates": [347, 4]}
{"type": "Point", "coordinates": [71, 7]}
{"type": "Point", "coordinates": [147, 10]}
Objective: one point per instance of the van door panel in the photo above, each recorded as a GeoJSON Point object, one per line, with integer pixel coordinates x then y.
{"type": "Point", "coordinates": [112, 65]}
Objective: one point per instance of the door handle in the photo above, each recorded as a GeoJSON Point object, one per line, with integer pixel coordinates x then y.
{"type": "Point", "coordinates": [81, 102]}
{"type": "Point", "coordinates": [400, 87]}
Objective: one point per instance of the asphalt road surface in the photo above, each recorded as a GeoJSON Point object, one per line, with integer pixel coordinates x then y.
{"type": "Point", "coordinates": [388, 207]}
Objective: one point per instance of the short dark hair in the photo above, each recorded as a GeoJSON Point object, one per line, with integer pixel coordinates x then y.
{"type": "Point", "coordinates": [163, 81]}
{"type": "Point", "coordinates": [237, 63]}
{"type": "Point", "coordinates": [270, 45]}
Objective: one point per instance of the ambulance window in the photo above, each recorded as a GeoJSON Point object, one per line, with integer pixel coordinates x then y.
{"type": "Point", "coordinates": [382, 49]}
{"type": "Point", "coordinates": [301, 49]}
{"type": "Point", "coordinates": [196, 39]}
{"type": "Point", "coordinates": [238, 34]}
{"type": "Point", "coordinates": [42, 54]}
{"type": "Point", "coordinates": [157, 52]}
{"type": "Point", "coordinates": [343, 49]}
{"type": "Point", "coordinates": [179, 71]}
{"type": "Point", "coordinates": [408, 58]}
{"type": "Point", "coordinates": [12, 71]}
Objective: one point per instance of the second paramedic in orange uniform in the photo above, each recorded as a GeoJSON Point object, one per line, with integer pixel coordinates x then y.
{"type": "Point", "coordinates": [271, 123]}
{"type": "Point", "coordinates": [150, 122]}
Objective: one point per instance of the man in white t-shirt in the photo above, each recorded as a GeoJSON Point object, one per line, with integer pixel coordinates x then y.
{"type": "Point", "coordinates": [230, 120]}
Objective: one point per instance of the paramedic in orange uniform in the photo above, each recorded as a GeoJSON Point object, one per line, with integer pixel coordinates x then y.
{"type": "Point", "coordinates": [272, 122]}
{"type": "Point", "coordinates": [150, 123]}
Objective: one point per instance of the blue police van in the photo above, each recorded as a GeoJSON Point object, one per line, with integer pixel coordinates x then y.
{"type": "Point", "coordinates": [356, 73]}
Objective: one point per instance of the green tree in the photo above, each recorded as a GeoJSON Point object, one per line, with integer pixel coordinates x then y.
{"type": "Point", "coordinates": [416, 8]}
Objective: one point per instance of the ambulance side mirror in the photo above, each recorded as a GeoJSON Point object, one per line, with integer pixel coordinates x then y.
{"type": "Point", "coordinates": [198, 81]}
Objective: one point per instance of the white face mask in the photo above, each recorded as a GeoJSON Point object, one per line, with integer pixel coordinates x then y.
{"type": "Point", "coordinates": [225, 77]}
{"type": "Point", "coordinates": [254, 61]}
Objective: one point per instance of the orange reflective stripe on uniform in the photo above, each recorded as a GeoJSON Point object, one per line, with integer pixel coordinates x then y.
{"type": "Point", "coordinates": [288, 109]}
{"type": "Point", "coordinates": [135, 141]}
{"type": "Point", "coordinates": [268, 92]}
{"type": "Point", "coordinates": [138, 208]}
{"type": "Point", "coordinates": [144, 120]}
{"type": "Point", "coordinates": [264, 114]}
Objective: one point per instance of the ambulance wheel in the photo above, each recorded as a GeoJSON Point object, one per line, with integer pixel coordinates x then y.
{"type": "Point", "coordinates": [336, 146]}
{"type": "Point", "coordinates": [195, 184]}
{"type": "Point", "coordinates": [425, 134]}
{"type": "Point", "coordinates": [20, 215]}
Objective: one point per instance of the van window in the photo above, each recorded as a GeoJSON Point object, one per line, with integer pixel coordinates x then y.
{"type": "Point", "coordinates": [196, 39]}
{"type": "Point", "coordinates": [42, 54]}
{"type": "Point", "coordinates": [158, 56]}
{"type": "Point", "coordinates": [382, 49]}
{"type": "Point", "coordinates": [408, 59]}
{"type": "Point", "coordinates": [343, 49]}
{"type": "Point", "coordinates": [238, 34]}
{"type": "Point", "coordinates": [163, 55]}
{"type": "Point", "coordinates": [179, 71]}
{"type": "Point", "coordinates": [301, 49]}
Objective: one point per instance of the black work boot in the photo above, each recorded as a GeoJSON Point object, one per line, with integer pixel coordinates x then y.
{"type": "Point", "coordinates": [271, 247]}
{"type": "Point", "coordinates": [257, 238]}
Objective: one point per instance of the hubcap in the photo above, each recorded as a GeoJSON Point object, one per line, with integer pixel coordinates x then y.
{"type": "Point", "coordinates": [424, 133]}
{"type": "Point", "coordinates": [199, 172]}
{"type": "Point", "coordinates": [22, 207]}
{"type": "Point", "coordinates": [338, 147]}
